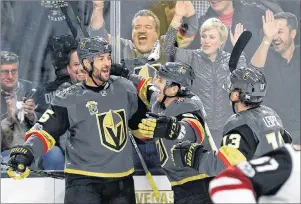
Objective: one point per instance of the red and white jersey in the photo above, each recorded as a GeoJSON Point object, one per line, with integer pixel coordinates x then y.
{"type": "Point", "coordinates": [272, 178]}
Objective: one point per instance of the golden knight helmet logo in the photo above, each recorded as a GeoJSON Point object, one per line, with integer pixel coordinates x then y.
{"type": "Point", "coordinates": [246, 75]}
{"type": "Point", "coordinates": [113, 129]}
{"type": "Point", "coordinates": [92, 106]}
{"type": "Point", "coordinates": [182, 70]}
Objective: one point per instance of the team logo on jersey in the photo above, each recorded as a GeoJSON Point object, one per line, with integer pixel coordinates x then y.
{"type": "Point", "coordinates": [246, 75]}
{"type": "Point", "coordinates": [113, 130]}
{"type": "Point", "coordinates": [182, 70]}
{"type": "Point", "coordinates": [162, 151]}
{"type": "Point", "coordinates": [92, 106]}
{"type": "Point", "coordinates": [82, 44]}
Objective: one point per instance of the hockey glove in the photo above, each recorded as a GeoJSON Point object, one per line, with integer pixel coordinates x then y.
{"type": "Point", "coordinates": [187, 154]}
{"type": "Point", "coordinates": [160, 127]}
{"type": "Point", "coordinates": [21, 157]}
{"type": "Point", "coordinates": [119, 70]}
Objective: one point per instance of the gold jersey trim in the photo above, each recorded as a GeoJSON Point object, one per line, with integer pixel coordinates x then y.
{"type": "Point", "coordinates": [100, 174]}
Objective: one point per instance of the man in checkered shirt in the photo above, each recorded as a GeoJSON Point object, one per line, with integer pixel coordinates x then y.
{"type": "Point", "coordinates": [200, 7]}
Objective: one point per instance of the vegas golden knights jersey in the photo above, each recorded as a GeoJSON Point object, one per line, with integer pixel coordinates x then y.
{"type": "Point", "coordinates": [97, 121]}
{"type": "Point", "coordinates": [246, 135]}
{"type": "Point", "coordinates": [190, 112]}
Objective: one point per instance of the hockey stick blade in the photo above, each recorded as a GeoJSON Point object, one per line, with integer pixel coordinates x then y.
{"type": "Point", "coordinates": [240, 45]}
{"type": "Point", "coordinates": [43, 173]}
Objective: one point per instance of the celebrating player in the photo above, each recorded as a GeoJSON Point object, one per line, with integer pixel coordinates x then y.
{"type": "Point", "coordinates": [253, 131]}
{"type": "Point", "coordinates": [99, 163]}
{"type": "Point", "coordinates": [176, 115]}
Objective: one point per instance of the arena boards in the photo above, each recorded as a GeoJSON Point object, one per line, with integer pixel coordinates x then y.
{"type": "Point", "coordinates": [49, 190]}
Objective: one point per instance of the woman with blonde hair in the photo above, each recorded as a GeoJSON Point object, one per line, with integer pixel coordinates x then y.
{"type": "Point", "coordinates": [210, 64]}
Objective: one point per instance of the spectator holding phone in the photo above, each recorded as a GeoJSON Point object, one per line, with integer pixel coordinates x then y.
{"type": "Point", "coordinates": [17, 107]}
{"type": "Point", "coordinates": [17, 112]}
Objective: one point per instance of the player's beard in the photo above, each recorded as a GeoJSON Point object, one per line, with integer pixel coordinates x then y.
{"type": "Point", "coordinates": [102, 75]}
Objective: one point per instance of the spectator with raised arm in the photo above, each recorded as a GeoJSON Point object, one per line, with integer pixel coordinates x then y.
{"type": "Point", "coordinates": [145, 32]}
{"type": "Point", "coordinates": [280, 58]}
{"type": "Point", "coordinates": [210, 64]}
{"type": "Point", "coordinates": [165, 10]}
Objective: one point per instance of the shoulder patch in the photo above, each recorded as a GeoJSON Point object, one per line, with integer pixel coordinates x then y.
{"type": "Point", "coordinates": [63, 93]}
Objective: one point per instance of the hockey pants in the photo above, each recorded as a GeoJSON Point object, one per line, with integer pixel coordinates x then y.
{"type": "Point", "coordinates": [101, 191]}
{"type": "Point", "coordinates": [194, 192]}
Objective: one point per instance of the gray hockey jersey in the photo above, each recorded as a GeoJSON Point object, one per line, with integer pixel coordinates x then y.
{"type": "Point", "coordinates": [246, 135]}
{"type": "Point", "coordinates": [97, 121]}
{"type": "Point", "coordinates": [189, 111]}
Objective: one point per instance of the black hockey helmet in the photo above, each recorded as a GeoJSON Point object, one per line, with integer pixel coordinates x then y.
{"type": "Point", "coordinates": [177, 72]}
{"type": "Point", "coordinates": [251, 83]}
{"type": "Point", "coordinates": [90, 47]}
{"type": "Point", "coordinates": [61, 48]}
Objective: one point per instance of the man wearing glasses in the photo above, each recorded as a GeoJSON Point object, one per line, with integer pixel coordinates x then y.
{"type": "Point", "coordinates": [17, 105]}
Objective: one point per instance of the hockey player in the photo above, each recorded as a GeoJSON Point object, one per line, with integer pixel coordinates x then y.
{"type": "Point", "coordinates": [176, 115]}
{"type": "Point", "coordinates": [271, 178]}
{"type": "Point", "coordinates": [99, 163]}
{"type": "Point", "coordinates": [253, 131]}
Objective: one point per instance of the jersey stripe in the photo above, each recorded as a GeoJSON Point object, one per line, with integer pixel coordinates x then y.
{"type": "Point", "coordinates": [197, 126]}
{"type": "Point", "coordinates": [142, 90]}
{"type": "Point", "coordinates": [100, 174]}
{"type": "Point", "coordinates": [230, 156]}
{"type": "Point", "coordinates": [46, 138]}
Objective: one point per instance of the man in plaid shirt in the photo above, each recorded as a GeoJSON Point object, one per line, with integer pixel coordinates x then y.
{"type": "Point", "coordinates": [200, 7]}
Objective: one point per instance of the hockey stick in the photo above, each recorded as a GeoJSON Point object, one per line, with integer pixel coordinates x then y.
{"type": "Point", "coordinates": [147, 172]}
{"type": "Point", "coordinates": [43, 173]}
{"type": "Point", "coordinates": [210, 138]}
{"type": "Point", "coordinates": [240, 45]}
{"type": "Point", "coordinates": [72, 11]}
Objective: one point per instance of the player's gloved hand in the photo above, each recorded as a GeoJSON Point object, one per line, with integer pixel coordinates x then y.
{"type": "Point", "coordinates": [157, 126]}
{"type": "Point", "coordinates": [118, 69]}
{"type": "Point", "coordinates": [187, 154]}
{"type": "Point", "coordinates": [21, 157]}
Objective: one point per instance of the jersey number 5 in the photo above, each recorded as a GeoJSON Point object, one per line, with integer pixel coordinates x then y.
{"type": "Point", "coordinates": [46, 116]}
{"type": "Point", "coordinates": [275, 139]}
